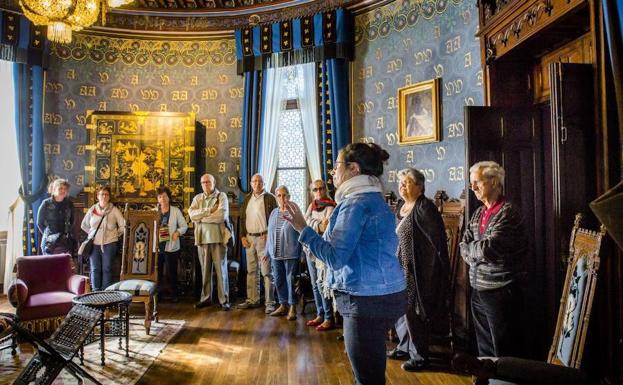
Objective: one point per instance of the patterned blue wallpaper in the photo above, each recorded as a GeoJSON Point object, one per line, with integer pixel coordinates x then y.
{"type": "Point", "coordinates": [405, 43]}
{"type": "Point", "coordinates": [114, 74]}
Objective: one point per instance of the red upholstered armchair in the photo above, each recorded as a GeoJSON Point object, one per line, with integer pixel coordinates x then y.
{"type": "Point", "coordinates": [43, 290]}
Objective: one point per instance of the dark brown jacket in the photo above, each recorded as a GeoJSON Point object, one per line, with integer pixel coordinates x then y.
{"type": "Point", "coordinates": [270, 203]}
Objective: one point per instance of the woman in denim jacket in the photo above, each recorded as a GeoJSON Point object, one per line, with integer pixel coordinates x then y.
{"type": "Point", "coordinates": [359, 248]}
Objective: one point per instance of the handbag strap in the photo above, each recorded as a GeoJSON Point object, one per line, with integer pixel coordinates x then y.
{"type": "Point", "coordinates": [98, 226]}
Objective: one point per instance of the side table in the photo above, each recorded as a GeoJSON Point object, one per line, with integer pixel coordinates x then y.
{"type": "Point", "coordinates": [118, 327]}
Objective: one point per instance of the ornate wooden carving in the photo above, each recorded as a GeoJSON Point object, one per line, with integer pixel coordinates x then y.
{"type": "Point", "coordinates": [516, 21]}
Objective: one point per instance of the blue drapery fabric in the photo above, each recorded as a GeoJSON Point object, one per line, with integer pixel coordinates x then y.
{"type": "Point", "coordinates": [313, 38]}
{"type": "Point", "coordinates": [613, 25]}
{"type": "Point", "coordinates": [25, 44]}
{"type": "Point", "coordinates": [28, 83]}
{"type": "Point", "coordinates": [21, 41]}
{"type": "Point", "coordinates": [325, 38]}
{"type": "Point", "coordinates": [251, 128]}
{"type": "Point", "coordinates": [334, 110]}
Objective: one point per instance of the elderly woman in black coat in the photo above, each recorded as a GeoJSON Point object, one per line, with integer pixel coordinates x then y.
{"type": "Point", "coordinates": [423, 255]}
{"type": "Point", "coordinates": [55, 219]}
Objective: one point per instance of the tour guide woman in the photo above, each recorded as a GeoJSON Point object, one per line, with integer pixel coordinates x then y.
{"type": "Point", "coordinates": [359, 248]}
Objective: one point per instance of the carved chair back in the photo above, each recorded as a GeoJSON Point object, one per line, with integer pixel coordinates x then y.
{"type": "Point", "coordinates": [577, 296]}
{"type": "Point", "coordinates": [452, 212]}
{"type": "Point", "coordinates": [140, 246]}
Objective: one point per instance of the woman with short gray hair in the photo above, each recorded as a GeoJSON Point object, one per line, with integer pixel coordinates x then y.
{"type": "Point", "coordinates": [423, 255]}
{"type": "Point", "coordinates": [284, 250]}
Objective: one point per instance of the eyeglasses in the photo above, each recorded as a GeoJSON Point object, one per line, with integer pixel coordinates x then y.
{"type": "Point", "coordinates": [316, 189]}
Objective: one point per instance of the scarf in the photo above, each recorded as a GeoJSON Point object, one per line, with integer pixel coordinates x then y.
{"type": "Point", "coordinates": [102, 213]}
{"type": "Point", "coordinates": [320, 204]}
{"type": "Point", "coordinates": [358, 185]}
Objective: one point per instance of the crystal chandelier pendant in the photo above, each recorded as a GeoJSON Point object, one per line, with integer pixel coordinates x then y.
{"type": "Point", "coordinates": [59, 32]}
{"type": "Point", "coordinates": [64, 16]}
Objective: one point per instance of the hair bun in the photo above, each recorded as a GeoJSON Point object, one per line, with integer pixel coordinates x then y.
{"type": "Point", "coordinates": [381, 153]}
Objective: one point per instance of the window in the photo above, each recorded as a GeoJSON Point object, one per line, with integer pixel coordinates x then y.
{"type": "Point", "coordinates": [292, 164]}
{"type": "Point", "coordinates": [8, 145]}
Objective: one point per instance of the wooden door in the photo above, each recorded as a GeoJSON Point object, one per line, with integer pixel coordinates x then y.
{"type": "Point", "coordinates": [513, 138]}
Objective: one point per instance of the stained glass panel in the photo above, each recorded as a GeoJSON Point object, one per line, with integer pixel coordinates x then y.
{"type": "Point", "coordinates": [291, 142]}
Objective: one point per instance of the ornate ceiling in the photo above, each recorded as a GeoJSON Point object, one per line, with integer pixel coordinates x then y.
{"type": "Point", "coordinates": [192, 18]}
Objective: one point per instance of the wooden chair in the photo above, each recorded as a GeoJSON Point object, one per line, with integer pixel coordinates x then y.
{"type": "Point", "coordinates": [452, 213]}
{"type": "Point", "coordinates": [565, 354]}
{"type": "Point", "coordinates": [139, 261]}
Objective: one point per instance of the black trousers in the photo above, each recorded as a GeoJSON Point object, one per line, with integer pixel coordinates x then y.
{"type": "Point", "coordinates": [496, 320]}
{"type": "Point", "coordinates": [170, 259]}
{"type": "Point", "coordinates": [366, 321]}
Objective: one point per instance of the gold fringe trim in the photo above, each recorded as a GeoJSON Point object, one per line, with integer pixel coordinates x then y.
{"type": "Point", "coordinates": [43, 325]}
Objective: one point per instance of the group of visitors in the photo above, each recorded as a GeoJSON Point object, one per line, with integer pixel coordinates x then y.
{"type": "Point", "coordinates": [375, 275]}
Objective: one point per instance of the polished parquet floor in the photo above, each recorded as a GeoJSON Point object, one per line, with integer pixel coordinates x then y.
{"type": "Point", "coordinates": [246, 347]}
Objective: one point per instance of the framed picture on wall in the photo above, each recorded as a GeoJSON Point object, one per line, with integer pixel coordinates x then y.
{"type": "Point", "coordinates": [419, 113]}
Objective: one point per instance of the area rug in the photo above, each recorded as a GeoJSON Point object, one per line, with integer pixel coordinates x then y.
{"type": "Point", "coordinates": [119, 369]}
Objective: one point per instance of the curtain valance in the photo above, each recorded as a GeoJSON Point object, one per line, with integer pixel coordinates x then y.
{"type": "Point", "coordinates": [21, 41]}
{"type": "Point", "coordinates": [323, 36]}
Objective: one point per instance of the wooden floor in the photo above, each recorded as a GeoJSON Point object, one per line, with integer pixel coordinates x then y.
{"type": "Point", "coordinates": [246, 347]}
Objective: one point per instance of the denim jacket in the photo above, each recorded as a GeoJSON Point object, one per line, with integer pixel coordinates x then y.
{"type": "Point", "coordinates": [359, 247]}
{"type": "Point", "coordinates": [290, 246]}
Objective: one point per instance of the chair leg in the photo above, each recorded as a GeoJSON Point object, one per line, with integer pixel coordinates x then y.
{"type": "Point", "coordinates": [14, 344]}
{"type": "Point", "coordinates": [155, 314]}
{"type": "Point", "coordinates": [148, 315]}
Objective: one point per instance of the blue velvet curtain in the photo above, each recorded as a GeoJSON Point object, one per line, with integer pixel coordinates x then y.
{"type": "Point", "coordinates": [334, 112]}
{"type": "Point", "coordinates": [28, 82]}
{"type": "Point", "coordinates": [325, 38]}
{"type": "Point", "coordinates": [251, 128]}
{"type": "Point", "coordinates": [26, 46]}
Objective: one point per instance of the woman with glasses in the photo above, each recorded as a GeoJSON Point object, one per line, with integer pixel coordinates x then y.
{"type": "Point", "coordinates": [317, 217]}
{"type": "Point", "coordinates": [359, 249]}
{"type": "Point", "coordinates": [105, 219]}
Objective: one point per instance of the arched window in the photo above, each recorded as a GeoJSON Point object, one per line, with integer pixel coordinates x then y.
{"type": "Point", "coordinates": [292, 163]}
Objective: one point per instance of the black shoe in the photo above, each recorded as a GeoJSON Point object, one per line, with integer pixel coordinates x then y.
{"type": "Point", "coordinates": [396, 354]}
{"type": "Point", "coordinates": [202, 304]}
{"type": "Point", "coordinates": [226, 306]}
{"type": "Point", "coordinates": [412, 365]}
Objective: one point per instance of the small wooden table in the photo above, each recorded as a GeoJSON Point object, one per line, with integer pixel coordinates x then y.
{"type": "Point", "coordinates": [117, 327]}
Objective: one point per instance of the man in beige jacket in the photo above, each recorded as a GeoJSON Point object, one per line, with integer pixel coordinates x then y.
{"type": "Point", "coordinates": [208, 211]}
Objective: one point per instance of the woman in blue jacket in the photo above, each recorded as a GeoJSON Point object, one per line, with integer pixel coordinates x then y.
{"type": "Point", "coordinates": [284, 250]}
{"type": "Point", "coordinates": [359, 247]}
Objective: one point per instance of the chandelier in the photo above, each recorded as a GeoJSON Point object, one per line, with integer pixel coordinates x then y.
{"type": "Point", "coordinates": [64, 16]}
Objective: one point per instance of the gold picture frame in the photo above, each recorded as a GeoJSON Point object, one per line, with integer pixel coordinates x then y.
{"type": "Point", "coordinates": [419, 113]}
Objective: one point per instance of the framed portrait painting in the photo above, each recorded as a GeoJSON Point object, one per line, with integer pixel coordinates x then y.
{"type": "Point", "coordinates": [419, 113]}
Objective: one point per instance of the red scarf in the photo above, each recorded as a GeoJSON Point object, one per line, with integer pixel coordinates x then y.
{"type": "Point", "coordinates": [320, 204]}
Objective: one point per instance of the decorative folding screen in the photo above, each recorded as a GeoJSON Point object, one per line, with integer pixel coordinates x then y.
{"type": "Point", "coordinates": [137, 152]}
